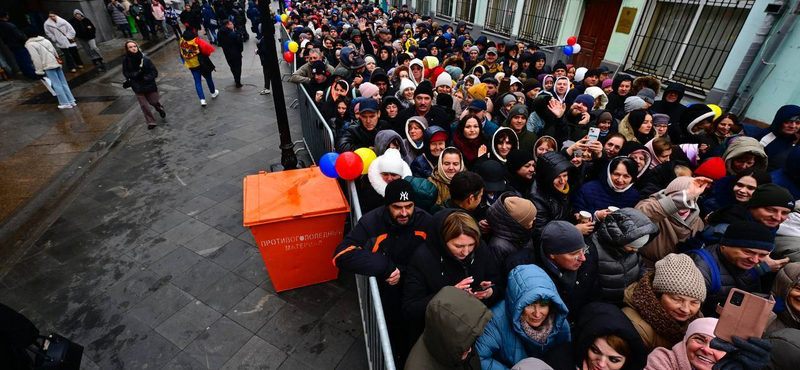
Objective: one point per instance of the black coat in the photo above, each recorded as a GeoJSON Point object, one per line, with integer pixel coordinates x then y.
{"type": "Point", "coordinates": [231, 44]}
{"type": "Point", "coordinates": [356, 136]}
{"type": "Point", "coordinates": [550, 203]}
{"type": "Point", "coordinates": [12, 36]}
{"type": "Point", "coordinates": [84, 29]}
{"type": "Point", "coordinates": [433, 267]}
{"type": "Point", "coordinates": [436, 117]}
{"type": "Point", "coordinates": [141, 76]}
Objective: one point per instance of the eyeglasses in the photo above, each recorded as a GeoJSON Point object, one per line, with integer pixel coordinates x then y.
{"type": "Point", "coordinates": [582, 252]}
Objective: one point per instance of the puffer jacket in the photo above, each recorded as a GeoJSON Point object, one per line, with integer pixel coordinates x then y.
{"type": "Point", "coordinates": [745, 145]}
{"type": "Point", "coordinates": [661, 209]}
{"type": "Point", "coordinates": [117, 12]}
{"type": "Point", "coordinates": [785, 349]}
{"type": "Point", "coordinates": [503, 343]}
{"type": "Point", "coordinates": [776, 144]}
{"type": "Point", "coordinates": [422, 166]}
{"type": "Point", "coordinates": [550, 203]}
{"type": "Point", "coordinates": [43, 54]}
{"type": "Point", "coordinates": [508, 235]}
{"type": "Point", "coordinates": [433, 267]}
{"type": "Point", "coordinates": [730, 277]}
{"type": "Point", "coordinates": [454, 322]}
{"type": "Point", "coordinates": [598, 320]}
{"type": "Point", "coordinates": [788, 277]}
{"type": "Point", "coordinates": [598, 194]}
{"type": "Point", "coordinates": [616, 268]}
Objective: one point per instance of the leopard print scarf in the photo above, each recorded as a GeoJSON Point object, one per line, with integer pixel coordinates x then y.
{"type": "Point", "coordinates": [647, 304]}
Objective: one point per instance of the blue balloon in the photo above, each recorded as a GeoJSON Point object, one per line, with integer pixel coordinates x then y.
{"type": "Point", "coordinates": [568, 50]}
{"type": "Point", "coordinates": [286, 46]}
{"type": "Point", "coordinates": [278, 18]}
{"type": "Point", "coordinates": [690, 104]}
{"type": "Point", "coordinates": [327, 164]}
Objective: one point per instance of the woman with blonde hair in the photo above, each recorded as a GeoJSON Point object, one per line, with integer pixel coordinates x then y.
{"type": "Point", "coordinates": [140, 74]}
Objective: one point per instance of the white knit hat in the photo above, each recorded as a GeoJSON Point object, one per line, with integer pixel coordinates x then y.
{"type": "Point", "coordinates": [391, 162]}
{"type": "Point", "coordinates": [444, 79]}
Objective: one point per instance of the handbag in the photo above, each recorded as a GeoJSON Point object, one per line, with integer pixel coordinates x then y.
{"type": "Point", "coordinates": [206, 65]}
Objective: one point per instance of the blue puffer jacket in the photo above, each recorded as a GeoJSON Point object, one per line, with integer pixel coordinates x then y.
{"type": "Point", "coordinates": [598, 194]}
{"type": "Point", "coordinates": [776, 144]}
{"type": "Point", "coordinates": [789, 176]}
{"type": "Point", "coordinates": [503, 342]}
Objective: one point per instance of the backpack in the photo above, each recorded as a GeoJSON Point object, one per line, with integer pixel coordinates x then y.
{"type": "Point", "coordinates": [716, 278]}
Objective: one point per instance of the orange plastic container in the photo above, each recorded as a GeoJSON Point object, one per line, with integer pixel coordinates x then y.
{"type": "Point", "coordinates": [297, 219]}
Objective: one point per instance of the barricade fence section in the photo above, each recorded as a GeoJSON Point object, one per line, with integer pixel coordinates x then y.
{"type": "Point", "coordinates": [319, 139]}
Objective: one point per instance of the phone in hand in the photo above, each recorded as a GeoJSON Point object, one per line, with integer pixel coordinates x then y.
{"type": "Point", "coordinates": [594, 134]}
{"type": "Point", "coordinates": [744, 315]}
{"type": "Point", "coordinates": [476, 287]}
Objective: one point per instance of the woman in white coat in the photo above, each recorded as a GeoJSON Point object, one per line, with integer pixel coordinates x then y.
{"type": "Point", "coordinates": [63, 36]}
{"type": "Point", "coordinates": [45, 61]}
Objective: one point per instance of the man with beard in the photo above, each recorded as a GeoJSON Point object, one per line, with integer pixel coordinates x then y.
{"type": "Point", "coordinates": [381, 245]}
{"type": "Point", "coordinates": [578, 117]}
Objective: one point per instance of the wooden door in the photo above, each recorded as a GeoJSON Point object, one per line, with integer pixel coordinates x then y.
{"type": "Point", "coordinates": [598, 24]}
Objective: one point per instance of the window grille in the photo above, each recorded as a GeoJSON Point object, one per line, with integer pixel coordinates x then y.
{"type": "Point", "coordinates": [541, 21]}
{"type": "Point", "coordinates": [444, 8]}
{"type": "Point", "coordinates": [465, 10]}
{"type": "Point", "coordinates": [500, 16]}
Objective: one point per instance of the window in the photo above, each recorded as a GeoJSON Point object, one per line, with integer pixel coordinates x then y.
{"type": "Point", "coordinates": [465, 10]}
{"type": "Point", "coordinates": [500, 16]}
{"type": "Point", "coordinates": [422, 7]}
{"type": "Point", "coordinates": [541, 21]}
{"type": "Point", "coordinates": [687, 41]}
{"type": "Point", "coordinates": [444, 8]}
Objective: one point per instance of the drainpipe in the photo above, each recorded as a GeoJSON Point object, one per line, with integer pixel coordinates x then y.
{"type": "Point", "coordinates": [775, 42]}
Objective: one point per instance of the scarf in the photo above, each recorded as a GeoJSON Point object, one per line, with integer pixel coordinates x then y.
{"type": "Point", "coordinates": [468, 147]}
{"type": "Point", "coordinates": [137, 59]}
{"type": "Point", "coordinates": [540, 334]}
{"type": "Point", "coordinates": [564, 191]}
{"type": "Point", "coordinates": [646, 303]}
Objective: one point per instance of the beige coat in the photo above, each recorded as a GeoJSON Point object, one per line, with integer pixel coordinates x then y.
{"type": "Point", "coordinates": [43, 54]}
{"type": "Point", "coordinates": [662, 211]}
{"type": "Point", "coordinates": [649, 336]}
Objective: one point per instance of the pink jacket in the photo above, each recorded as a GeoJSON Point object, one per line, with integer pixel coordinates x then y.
{"type": "Point", "coordinates": [664, 359]}
{"type": "Point", "coordinates": [158, 11]}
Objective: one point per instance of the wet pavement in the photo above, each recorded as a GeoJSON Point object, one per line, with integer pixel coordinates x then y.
{"type": "Point", "coordinates": [149, 266]}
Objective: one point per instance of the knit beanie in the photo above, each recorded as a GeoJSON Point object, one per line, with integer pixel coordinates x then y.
{"type": "Point", "coordinates": [474, 48]}
{"type": "Point", "coordinates": [677, 274]}
{"type": "Point", "coordinates": [516, 159]}
{"type": "Point", "coordinates": [607, 83]}
{"type": "Point", "coordinates": [368, 89]}
{"type": "Point", "coordinates": [391, 162]}
{"type": "Point", "coordinates": [444, 100]}
{"type": "Point", "coordinates": [633, 103]}
{"type": "Point", "coordinates": [560, 237]}
{"type": "Point", "coordinates": [444, 79]}
{"type": "Point", "coordinates": [559, 65]}
{"type": "Point", "coordinates": [520, 209]}
{"type": "Point", "coordinates": [713, 168]}
{"type": "Point", "coordinates": [508, 99]}
{"type": "Point", "coordinates": [585, 99]}
{"type": "Point", "coordinates": [771, 195]}
{"type": "Point", "coordinates": [478, 91]}
{"type": "Point", "coordinates": [679, 184]}
{"type": "Point", "coordinates": [647, 94]}
{"type": "Point", "coordinates": [369, 59]}
{"type": "Point", "coordinates": [660, 119]}
{"type": "Point", "coordinates": [454, 72]}
{"type": "Point", "coordinates": [424, 88]}
{"type": "Point", "coordinates": [398, 191]}
{"type": "Point", "coordinates": [605, 117]}
{"type": "Point", "coordinates": [705, 325]}
{"type": "Point", "coordinates": [531, 84]}
{"type": "Point", "coordinates": [748, 234]}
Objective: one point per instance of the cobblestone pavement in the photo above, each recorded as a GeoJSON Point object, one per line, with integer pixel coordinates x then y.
{"type": "Point", "coordinates": [150, 266]}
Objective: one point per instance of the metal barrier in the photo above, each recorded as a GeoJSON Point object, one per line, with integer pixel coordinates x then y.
{"type": "Point", "coordinates": [318, 139]}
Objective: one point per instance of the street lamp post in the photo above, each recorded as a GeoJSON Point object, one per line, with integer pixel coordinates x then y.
{"type": "Point", "coordinates": [288, 158]}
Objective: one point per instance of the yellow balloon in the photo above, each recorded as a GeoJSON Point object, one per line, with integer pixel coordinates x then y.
{"type": "Point", "coordinates": [284, 18]}
{"type": "Point", "coordinates": [367, 156]}
{"type": "Point", "coordinates": [717, 110]}
{"type": "Point", "coordinates": [293, 47]}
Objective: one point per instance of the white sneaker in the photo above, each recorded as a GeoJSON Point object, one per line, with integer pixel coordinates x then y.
{"type": "Point", "coordinates": [215, 94]}
{"type": "Point", "coordinates": [265, 92]}
{"type": "Point", "coordinates": [65, 106]}
{"type": "Point", "coordinates": [203, 102]}
{"type": "Point", "coordinates": [74, 104]}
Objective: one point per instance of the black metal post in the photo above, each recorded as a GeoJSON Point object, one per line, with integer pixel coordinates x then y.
{"type": "Point", "coordinates": [288, 158]}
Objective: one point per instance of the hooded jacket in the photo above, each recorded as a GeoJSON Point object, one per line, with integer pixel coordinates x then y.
{"type": "Point", "coordinates": [598, 320]}
{"type": "Point", "coordinates": [776, 144]}
{"type": "Point", "coordinates": [508, 235]}
{"type": "Point", "coordinates": [60, 31]}
{"type": "Point", "coordinates": [454, 321]}
{"type": "Point", "coordinates": [423, 164]}
{"type": "Point", "coordinates": [550, 203]}
{"type": "Point", "coordinates": [526, 138]}
{"type": "Point", "coordinates": [673, 110]}
{"type": "Point", "coordinates": [616, 268]}
{"type": "Point", "coordinates": [43, 54]}
{"type": "Point", "coordinates": [433, 267]}
{"type": "Point", "coordinates": [745, 145]}
{"type": "Point", "coordinates": [788, 277]}
{"type": "Point", "coordinates": [789, 176]}
{"type": "Point", "coordinates": [663, 211]}
{"type": "Point", "coordinates": [384, 138]}
{"type": "Point", "coordinates": [616, 103]}
{"type": "Point", "coordinates": [503, 343]}
{"type": "Point", "coordinates": [84, 28]}
{"type": "Point", "coordinates": [599, 194]}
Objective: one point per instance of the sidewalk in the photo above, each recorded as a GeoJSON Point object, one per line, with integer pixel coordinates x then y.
{"type": "Point", "coordinates": [150, 266]}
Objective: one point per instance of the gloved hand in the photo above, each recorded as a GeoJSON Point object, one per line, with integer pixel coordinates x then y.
{"type": "Point", "coordinates": [752, 353]}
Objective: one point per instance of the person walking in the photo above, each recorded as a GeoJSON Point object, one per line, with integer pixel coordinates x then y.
{"type": "Point", "coordinates": [159, 14]}
{"type": "Point", "coordinates": [232, 46]}
{"type": "Point", "coordinates": [140, 74]}
{"type": "Point", "coordinates": [263, 44]}
{"type": "Point", "coordinates": [46, 63]}
{"type": "Point", "coordinates": [11, 35]}
{"type": "Point", "coordinates": [172, 18]}
{"type": "Point", "coordinates": [85, 32]}
{"type": "Point", "coordinates": [117, 13]}
{"type": "Point", "coordinates": [195, 55]}
{"type": "Point", "coordinates": [210, 23]}
{"type": "Point", "coordinates": [63, 35]}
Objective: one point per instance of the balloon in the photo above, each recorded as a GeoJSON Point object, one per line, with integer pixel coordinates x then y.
{"type": "Point", "coordinates": [327, 164]}
{"type": "Point", "coordinates": [293, 47]}
{"type": "Point", "coordinates": [568, 50]}
{"type": "Point", "coordinates": [288, 57]}
{"type": "Point", "coordinates": [572, 40]}
{"type": "Point", "coordinates": [284, 18]}
{"type": "Point", "coordinates": [576, 48]}
{"type": "Point", "coordinates": [367, 156]}
{"type": "Point", "coordinates": [717, 110]}
{"type": "Point", "coordinates": [286, 46]}
{"type": "Point", "coordinates": [349, 165]}
{"type": "Point", "coordinates": [277, 18]}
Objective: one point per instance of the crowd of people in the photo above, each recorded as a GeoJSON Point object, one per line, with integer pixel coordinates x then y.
{"type": "Point", "coordinates": [529, 213]}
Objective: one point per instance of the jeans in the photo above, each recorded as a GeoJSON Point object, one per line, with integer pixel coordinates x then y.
{"type": "Point", "coordinates": [213, 32]}
{"type": "Point", "coordinates": [71, 57]}
{"type": "Point", "coordinates": [198, 82]}
{"type": "Point", "coordinates": [60, 86]}
{"type": "Point", "coordinates": [164, 27]}
{"type": "Point", "coordinates": [126, 30]}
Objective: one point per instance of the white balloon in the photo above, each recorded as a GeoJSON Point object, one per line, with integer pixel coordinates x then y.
{"type": "Point", "coordinates": [576, 48]}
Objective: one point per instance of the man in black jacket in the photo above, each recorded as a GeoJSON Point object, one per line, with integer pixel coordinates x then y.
{"type": "Point", "coordinates": [232, 46]}
{"type": "Point", "coordinates": [15, 40]}
{"type": "Point", "coordinates": [362, 134]}
{"type": "Point", "coordinates": [381, 245]}
{"type": "Point", "coordinates": [423, 107]}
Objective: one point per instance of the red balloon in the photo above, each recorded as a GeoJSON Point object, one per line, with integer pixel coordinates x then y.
{"type": "Point", "coordinates": [288, 57]}
{"type": "Point", "coordinates": [349, 165]}
{"type": "Point", "coordinates": [572, 40]}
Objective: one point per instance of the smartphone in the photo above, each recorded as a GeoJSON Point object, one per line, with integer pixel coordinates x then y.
{"type": "Point", "coordinates": [476, 287]}
{"type": "Point", "coordinates": [594, 134]}
{"type": "Point", "coordinates": [744, 315]}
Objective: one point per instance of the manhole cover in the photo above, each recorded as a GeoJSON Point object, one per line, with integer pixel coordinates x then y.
{"type": "Point", "coordinates": [244, 88]}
